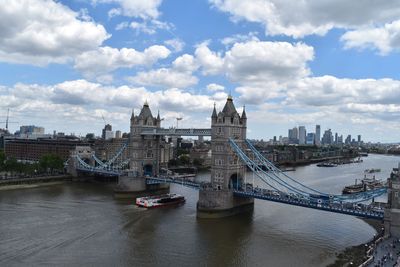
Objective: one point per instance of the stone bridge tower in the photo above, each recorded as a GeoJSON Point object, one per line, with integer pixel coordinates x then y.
{"type": "Point", "coordinates": [144, 150]}
{"type": "Point", "coordinates": [392, 211]}
{"type": "Point", "coordinates": [227, 171]}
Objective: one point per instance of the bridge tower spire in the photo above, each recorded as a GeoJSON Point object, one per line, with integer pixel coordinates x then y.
{"type": "Point", "coordinates": [227, 171]}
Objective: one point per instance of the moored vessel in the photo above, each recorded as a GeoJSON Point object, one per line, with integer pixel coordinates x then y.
{"type": "Point", "coordinates": [160, 200]}
{"type": "Point", "coordinates": [366, 184]}
{"type": "Point", "coordinates": [372, 170]}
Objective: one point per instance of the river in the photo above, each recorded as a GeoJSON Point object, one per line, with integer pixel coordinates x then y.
{"type": "Point", "coordinates": [80, 224]}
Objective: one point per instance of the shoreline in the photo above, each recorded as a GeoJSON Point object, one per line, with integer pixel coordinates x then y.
{"type": "Point", "coordinates": [33, 182]}
{"type": "Point", "coordinates": [357, 255]}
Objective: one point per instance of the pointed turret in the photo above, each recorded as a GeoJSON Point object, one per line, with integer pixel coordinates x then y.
{"type": "Point", "coordinates": [229, 109]}
{"type": "Point", "coordinates": [158, 116]}
{"type": "Point", "coordinates": [244, 113]}
{"type": "Point", "coordinates": [145, 112]}
{"type": "Point", "coordinates": [214, 114]}
{"type": "Point", "coordinates": [133, 114]}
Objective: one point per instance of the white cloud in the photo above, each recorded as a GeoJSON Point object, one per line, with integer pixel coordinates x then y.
{"type": "Point", "coordinates": [134, 8]}
{"type": "Point", "coordinates": [385, 38]}
{"type": "Point", "coordinates": [211, 62]}
{"type": "Point", "coordinates": [107, 59]}
{"type": "Point", "coordinates": [179, 76]}
{"type": "Point", "coordinates": [73, 102]}
{"type": "Point", "coordinates": [258, 62]}
{"type": "Point", "coordinates": [239, 38]}
{"type": "Point", "coordinates": [332, 91]}
{"type": "Point", "coordinates": [150, 27]}
{"type": "Point", "coordinates": [260, 68]}
{"type": "Point", "coordinates": [300, 18]}
{"type": "Point", "coordinates": [164, 78]}
{"type": "Point", "coordinates": [185, 63]}
{"type": "Point", "coordinates": [39, 32]}
{"type": "Point", "coordinates": [215, 87]}
{"type": "Point", "coordinates": [176, 43]}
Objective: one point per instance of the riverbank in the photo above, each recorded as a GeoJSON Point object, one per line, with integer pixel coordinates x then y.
{"type": "Point", "coordinates": [31, 182]}
{"type": "Point", "coordinates": [356, 255]}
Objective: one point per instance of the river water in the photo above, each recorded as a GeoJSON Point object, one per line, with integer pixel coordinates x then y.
{"type": "Point", "coordinates": [80, 224]}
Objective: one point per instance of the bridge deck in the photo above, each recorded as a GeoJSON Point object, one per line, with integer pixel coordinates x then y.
{"type": "Point", "coordinates": [177, 132]}
{"type": "Point", "coordinates": [364, 211]}
{"type": "Point", "coordinates": [342, 208]}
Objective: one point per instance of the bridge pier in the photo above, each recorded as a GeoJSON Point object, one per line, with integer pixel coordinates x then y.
{"type": "Point", "coordinates": [221, 203]}
{"type": "Point", "coordinates": [131, 187]}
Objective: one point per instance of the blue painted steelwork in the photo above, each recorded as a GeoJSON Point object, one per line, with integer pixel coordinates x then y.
{"type": "Point", "coordinates": [359, 211]}
{"type": "Point", "coordinates": [276, 171]}
{"type": "Point", "coordinates": [107, 168]}
{"type": "Point", "coordinates": [180, 181]}
{"type": "Point", "coordinates": [279, 184]}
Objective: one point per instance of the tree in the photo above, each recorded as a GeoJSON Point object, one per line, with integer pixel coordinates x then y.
{"type": "Point", "coordinates": [2, 160]}
{"type": "Point", "coordinates": [184, 159]}
{"type": "Point", "coordinates": [50, 163]}
{"type": "Point", "coordinates": [198, 162]}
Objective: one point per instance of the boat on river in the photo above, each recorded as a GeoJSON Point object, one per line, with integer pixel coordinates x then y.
{"type": "Point", "coordinates": [160, 200]}
{"type": "Point", "coordinates": [372, 170]}
{"type": "Point", "coordinates": [366, 184]}
{"type": "Point", "coordinates": [326, 164]}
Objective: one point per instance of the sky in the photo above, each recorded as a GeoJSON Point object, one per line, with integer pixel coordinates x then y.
{"type": "Point", "coordinates": [66, 64]}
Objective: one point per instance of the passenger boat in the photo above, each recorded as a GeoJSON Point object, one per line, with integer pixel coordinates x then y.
{"type": "Point", "coordinates": [160, 200]}
{"type": "Point", "coordinates": [372, 170]}
{"type": "Point", "coordinates": [327, 164]}
{"type": "Point", "coordinates": [366, 184]}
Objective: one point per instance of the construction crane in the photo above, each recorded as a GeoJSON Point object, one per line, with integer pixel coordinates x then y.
{"type": "Point", "coordinates": [105, 123]}
{"type": "Point", "coordinates": [7, 120]}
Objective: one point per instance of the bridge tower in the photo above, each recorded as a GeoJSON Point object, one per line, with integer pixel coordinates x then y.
{"type": "Point", "coordinates": [227, 171]}
{"type": "Point", "coordinates": [392, 211]}
{"type": "Point", "coordinates": [144, 150]}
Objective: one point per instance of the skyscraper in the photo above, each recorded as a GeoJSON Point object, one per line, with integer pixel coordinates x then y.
{"type": "Point", "coordinates": [317, 135]}
{"type": "Point", "coordinates": [293, 136]}
{"type": "Point", "coordinates": [302, 135]}
{"type": "Point", "coordinates": [327, 139]}
{"type": "Point", "coordinates": [310, 140]}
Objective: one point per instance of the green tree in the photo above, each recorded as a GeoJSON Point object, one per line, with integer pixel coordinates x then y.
{"type": "Point", "coordinates": [198, 162]}
{"type": "Point", "coordinates": [50, 163]}
{"type": "Point", "coordinates": [11, 165]}
{"type": "Point", "coordinates": [2, 160]}
{"type": "Point", "coordinates": [184, 159]}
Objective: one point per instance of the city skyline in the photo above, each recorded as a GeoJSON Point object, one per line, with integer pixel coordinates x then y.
{"type": "Point", "coordinates": [66, 64]}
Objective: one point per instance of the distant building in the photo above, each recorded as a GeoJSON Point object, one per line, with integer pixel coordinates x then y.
{"type": "Point", "coordinates": [317, 135]}
{"type": "Point", "coordinates": [310, 139]}
{"type": "Point", "coordinates": [302, 135]}
{"type": "Point", "coordinates": [359, 139]}
{"type": "Point", "coordinates": [348, 140]}
{"type": "Point", "coordinates": [340, 140]}
{"type": "Point", "coordinates": [31, 132]}
{"type": "Point", "coordinates": [34, 149]}
{"type": "Point", "coordinates": [293, 136]}
{"type": "Point", "coordinates": [327, 139]}
{"type": "Point", "coordinates": [107, 132]}
{"type": "Point", "coordinates": [118, 134]}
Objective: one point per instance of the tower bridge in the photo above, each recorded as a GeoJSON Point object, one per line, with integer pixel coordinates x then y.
{"type": "Point", "coordinates": [228, 191]}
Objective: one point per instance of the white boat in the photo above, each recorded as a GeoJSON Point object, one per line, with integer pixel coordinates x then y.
{"type": "Point", "coordinates": [160, 200]}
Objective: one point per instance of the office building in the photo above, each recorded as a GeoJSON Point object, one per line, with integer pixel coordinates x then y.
{"type": "Point", "coordinates": [302, 135]}
{"type": "Point", "coordinates": [317, 135]}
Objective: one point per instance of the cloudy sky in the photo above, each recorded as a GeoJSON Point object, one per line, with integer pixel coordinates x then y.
{"type": "Point", "coordinates": [64, 64]}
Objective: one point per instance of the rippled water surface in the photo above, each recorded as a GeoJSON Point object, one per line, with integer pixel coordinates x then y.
{"type": "Point", "coordinates": [80, 224]}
